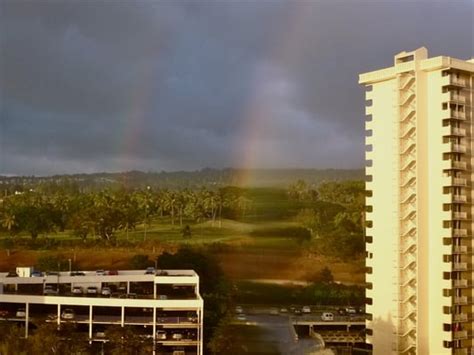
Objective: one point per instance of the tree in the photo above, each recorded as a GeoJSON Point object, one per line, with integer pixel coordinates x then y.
{"type": "Point", "coordinates": [140, 262]}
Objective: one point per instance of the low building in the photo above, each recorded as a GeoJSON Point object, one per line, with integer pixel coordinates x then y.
{"type": "Point", "coordinates": [162, 305]}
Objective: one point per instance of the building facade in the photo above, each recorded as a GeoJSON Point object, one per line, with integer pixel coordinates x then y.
{"type": "Point", "coordinates": [163, 307]}
{"type": "Point", "coordinates": [419, 232]}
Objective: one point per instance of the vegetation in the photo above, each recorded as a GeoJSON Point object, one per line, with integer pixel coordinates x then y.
{"type": "Point", "coordinates": [307, 232]}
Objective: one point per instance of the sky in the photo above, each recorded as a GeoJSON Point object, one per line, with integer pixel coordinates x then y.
{"type": "Point", "coordinates": [91, 86]}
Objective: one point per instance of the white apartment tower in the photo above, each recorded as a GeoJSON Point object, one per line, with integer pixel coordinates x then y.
{"type": "Point", "coordinates": [419, 159]}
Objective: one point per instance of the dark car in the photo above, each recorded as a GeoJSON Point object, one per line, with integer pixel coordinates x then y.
{"type": "Point", "coordinates": [12, 274]}
{"type": "Point", "coordinates": [77, 273]}
{"type": "Point", "coordinates": [113, 272]}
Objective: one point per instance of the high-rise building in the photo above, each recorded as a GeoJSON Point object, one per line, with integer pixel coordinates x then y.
{"type": "Point", "coordinates": [419, 233]}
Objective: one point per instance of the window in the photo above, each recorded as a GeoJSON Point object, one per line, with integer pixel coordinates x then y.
{"type": "Point", "coordinates": [447, 327]}
{"type": "Point", "coordinates": [446, 276]}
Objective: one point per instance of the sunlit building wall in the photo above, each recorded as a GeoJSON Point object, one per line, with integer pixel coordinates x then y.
{"type": "Point", "coordinates": [419, 238]}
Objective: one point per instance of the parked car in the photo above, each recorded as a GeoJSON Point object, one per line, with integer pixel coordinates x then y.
{"type": "Point", "coordinates": [12, 274]}
{"type": "Point", "coordinates": [50, 290]}
{"type": "Point", "coordinates": [92, 290]}
{"type": "Point", "coordinates": [52, 273]}
{"type": "Point", "coordinates": [297, 312]}
{"type": "Point", "coordinates": [100, 273]}
{"type": "Point", "coordinates": [77, 290]}
{"type": "Point", "coordinates": [306, 309]}
{"type": "Point", "coordinates": [192, 318]}
{"type": "Point", "coordinates": [106, 291]}
{"type": "Point", "coordinates": [161, 335]}
{"type": "Point", "coordinates": [239, 309]}
{"type": "Point", "coordinates": [131, 295]}
{"type": "Point", "coordinates": [177, 336]}
{"type": "Point", "coordinates": [68, 314]}
{"type": "Point", "coordinates": [3, 313]}
{"type": "Point", "coordinates": [327, 316]}
{"type": "Point", "coordinates": [150, 271]}
{"type": "Point", "coordinates": [77, 273]}
{"type": "Point", "coordinates": [99, 334]}
{"type": "Point", "coordinates": [274, 311]}
{"type": "Point", "coordinates": [283, 310]}
{"type": "Point", "coordinates": [241, 317]}
{"type": "Point", "coordinates": [36, 274]}
{"type": "Point", "coordinates": [20, 313]}
{"type": "Point", "coordinates": [112, 272]}
{"type": "Point", "coordinates": [351, 310]}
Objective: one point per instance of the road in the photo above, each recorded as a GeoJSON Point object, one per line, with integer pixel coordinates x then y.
{"type": "Point", "coordinates": [278, 331]}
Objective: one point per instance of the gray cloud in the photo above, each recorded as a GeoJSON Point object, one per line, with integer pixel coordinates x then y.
{"type": "Point", "coordinates": [94, 86]}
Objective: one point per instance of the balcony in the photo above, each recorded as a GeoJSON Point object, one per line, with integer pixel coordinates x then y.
{"type": "Point", "coordinates": [459, 198]}
{"type": "Point", "coordinates": [461, 334]}
{"type": "Point", "coordinates": [452, 80]}
{"type": "Point", "coordinates": [459, 266]}
{"type": "Point", "coordinates": [450, 131]}
{"type": "Point", "coordinates": [460, 249]}
{"type": "Point", "coordinates": [459, 232]}
{"type": "Point", "coordinates": [459, 215]}
{"type": "Point", "coordinates": [454, 165]}
{"type": "Point", "coordinates": [462, 317]}
{"type": "Point", "coordinates": [457, 98]}
{"type": "Point", "coordinates": [460, 300]}
{"type": "Point", "coordinates": [454, 115]}
{"type": "Point", "coordinates": [458, 148]}
{"type": "Point", "coordinates": [460, 283]}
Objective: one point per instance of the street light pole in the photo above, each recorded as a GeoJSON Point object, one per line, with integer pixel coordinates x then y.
{"type": "Point", "coordinates": [70, 265]}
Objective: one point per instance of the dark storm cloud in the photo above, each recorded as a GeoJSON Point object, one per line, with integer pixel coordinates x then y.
{"type": "Point", "coordinates": [93, 86]}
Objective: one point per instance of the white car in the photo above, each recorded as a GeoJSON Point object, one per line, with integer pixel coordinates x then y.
{"type": "Point", "coordinates": [351, 310]}
{"type": "Point", "coordinates": [101, 273]}
{"type": "Point", "coordinates": [161, 335]}
{"type": "Point", "coordinates": [106, 291]}
{"type": "Point", "coordinates": [327, 316]}
{"type": "Point", "coordinates": [92, 290]}
{"type": "Point", "coordinates": [77, 290]}
{"type": "Point", "coordinates": [68, 314]}
{"type": "Point", "coordinates": [306, 309]}
{"type": "Point", "coordinates": [241, 317]}
{"type": "Point", "coordinates": [239, 309]}
{"type": "Point", "coordinates": [50, 290]}
{"type": "Point", "coordinates": [20, 313]}
{"type": "Point", "coordinates": [177, 336]}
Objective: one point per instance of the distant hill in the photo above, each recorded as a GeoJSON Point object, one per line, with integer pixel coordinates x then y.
{"type": "Point", "coordinates": [189, 179]}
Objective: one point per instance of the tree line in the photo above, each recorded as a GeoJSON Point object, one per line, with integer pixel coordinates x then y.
{"type": "Point", "coordinates": [107, 212]}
